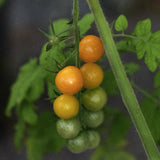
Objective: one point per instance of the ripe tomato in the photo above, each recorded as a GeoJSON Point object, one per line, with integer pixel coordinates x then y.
{"type": "Point", "coordinates": [69, 80]}
{"type": "Point", "coordinates": [90, 48]}
{"type": "Point", "coordinates": [92, 119]}
{"type": "Point", "coordinates": [92, 74]}
{"type": "Point", "coordinates": [68, 128]}
{"type": "Point", "coordinates": [93, 139]}
{"type": "Point", "coordinates": [94, 99]}
{"type": "Point", "coordinates": [78, 144]}
{"type": "Point", "coordinates": [66, 106]}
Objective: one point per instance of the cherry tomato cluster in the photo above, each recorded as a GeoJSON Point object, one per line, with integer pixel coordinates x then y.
{"type": "Point", "coordinates": [76, 124]}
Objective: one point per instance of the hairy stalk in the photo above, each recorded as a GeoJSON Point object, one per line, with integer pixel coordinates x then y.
{"type": "Point", "coordinates": [124, 85]}
{"type": "Point", "coordinates": [76, 30]}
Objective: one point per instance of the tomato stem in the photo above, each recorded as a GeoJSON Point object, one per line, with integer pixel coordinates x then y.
{"type": "Point", "coordinates": [124, 85]}
{"type": "Point", "coordinates": [76, 30]}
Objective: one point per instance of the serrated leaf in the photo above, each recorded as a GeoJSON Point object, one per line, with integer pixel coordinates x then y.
{"type": "Point", "coordinates": [143, 28]}
{"type": "Point", "coordinates": [109, 83]}
{"type": "Point", "coordinates": [155, 37]}
{"type": "Point", "coordinates": [101, 153]}
{"type": "Point", "coordinates": [140, 49]}
{"type": "Point", "coordinates": [37, 88]}
{"type": "Point", "coordinates": [49, 60]}
{"type": "Point", "coordinates": [28, 113]}
{"type": "Point", "coordinates": [85, 23]}
{"type": "Point", "coordinates": [121, 23]}
{"type": "Point", "coordinates": [131, 68]}
{"type": "Point", "coordinates": [60, 26]}
{"type": "Point", "coordinates": [26, 78]}
{"type": "Point", "coordinates": [151, 113]}
{"type": "Point", "coordinates": [150, 60]}
{"type": "Point", "coordinates": [43, 137]}
{"type": "Point", "coordinates": [52, 91]}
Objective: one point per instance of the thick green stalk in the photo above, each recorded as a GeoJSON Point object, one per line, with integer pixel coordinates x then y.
{"type": "Point", "coordinates": [126, 90]}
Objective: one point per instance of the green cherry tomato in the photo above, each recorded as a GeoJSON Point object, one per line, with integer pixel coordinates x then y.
{"type": "Point", "coordinates": [92, 119]}
{"type": "Point", "coordinates": [93, 139]}
{"type": "Point", "coordinates": [94, 99]}
{"type": "Point", "coordinates": [79, 143]}
{"type": "Point", "coordinates": [68, 128]}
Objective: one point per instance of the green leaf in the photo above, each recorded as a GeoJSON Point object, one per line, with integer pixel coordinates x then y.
{"type": "Point", "coordinates": [50, 60]}
{"type": "Point", "coordinates": [157, 79]}
{"type": "Point", "coordinates": [2, 2]}
{"type": "Point", "coordinates": [60, 26]}
{"type": "Point", "coordinates": [125, 45]}
{"type": "Point", "coordinates": [150, 60]}
{"type": "Point", "coordinates": [19, 132]}
{"type": "Point", "coordinates": [109, 83]}
{"type": "Point", "coordinates": [37, 88]}
{"type": "Point", "coordinates": [102, 153]}
{"type": "Point", "coordinates": [43, 137]}
{"type": "Point", "coordinates": [29, 73]}
{"type": "Point", "coordinates": [52, 90]}
{"type": "Point", "coordinates": [121, 23]}
{"type": "Point", "coordinates": [131, 68]}
{"type": "Point", "coordinates": [119, 127]}
{"type": "Point", "coordinates": [151, 113]}
{"type": "Point", "coordinates": [140, 48]}
{"type": "Point", "coordinates": [85, 23]}
{"type": "Point", "coordinates": [28, 113]}
{"type": "Point", "coordinates": [143, 28]}
{"type": "Point", "coordinates": [149, 48]}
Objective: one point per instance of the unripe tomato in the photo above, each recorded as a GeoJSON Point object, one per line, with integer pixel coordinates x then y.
{"type": "Point", "coordinates": [93, 139]}
{"type": "Point", "coordinates": [92, 119]}
{"type": "Point", "coordinates": [68, 128]}
{"type": "Point", "coordinates": [92, 74]}
{"type": "Point", "coordinates": [90, 48]}
{"type": "Point", "coordinates": [66, 106]}
{"type": "Point", "coordinates": [94, 99]}
{"type": "Point", "coordinates": [69, 80]}
{"type": "Point", "coordinates": [78, 144]}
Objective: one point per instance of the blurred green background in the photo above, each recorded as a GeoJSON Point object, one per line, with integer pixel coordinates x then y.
{"type": "Point", "coordinates": [20, 40]}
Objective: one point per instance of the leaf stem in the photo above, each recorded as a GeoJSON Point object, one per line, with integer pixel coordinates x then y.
{"type": "Point", "coordinates": [124, 35]}
{"type": "Point", "coordinates": [124, 85]}
{"type": "Point", "coordinates": [145, 93]}
{"type": "Point", "coordinates": [76, 30]}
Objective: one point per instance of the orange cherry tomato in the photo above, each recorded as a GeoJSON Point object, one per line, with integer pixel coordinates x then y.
{"type": "Point", "coordinates": [92, 74]}
{"type": "Point", "coordinates": [69, 80]}
{"type": "Point", "coordinates": [90, 48]}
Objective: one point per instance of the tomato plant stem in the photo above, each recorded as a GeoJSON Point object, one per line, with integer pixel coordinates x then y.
{"type": "Point", "coordinates": [76, 30]}
{"type": "Point", "coordinates": [124, 85]}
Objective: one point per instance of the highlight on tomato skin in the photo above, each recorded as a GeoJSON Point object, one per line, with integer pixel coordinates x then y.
{"type": "Point", "coordinates": [69, 80]}
{"type": "Point", "coordinates": [91, 48]}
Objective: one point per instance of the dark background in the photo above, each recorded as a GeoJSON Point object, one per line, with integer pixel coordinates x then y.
{"type": "Point", "coordinates": [20, 40]}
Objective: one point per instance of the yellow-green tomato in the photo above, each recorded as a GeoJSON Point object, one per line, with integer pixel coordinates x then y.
{"type": "Point", "coordinates": [94, 99]}
{"type": "Point", "coordinates": [68, 128]}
